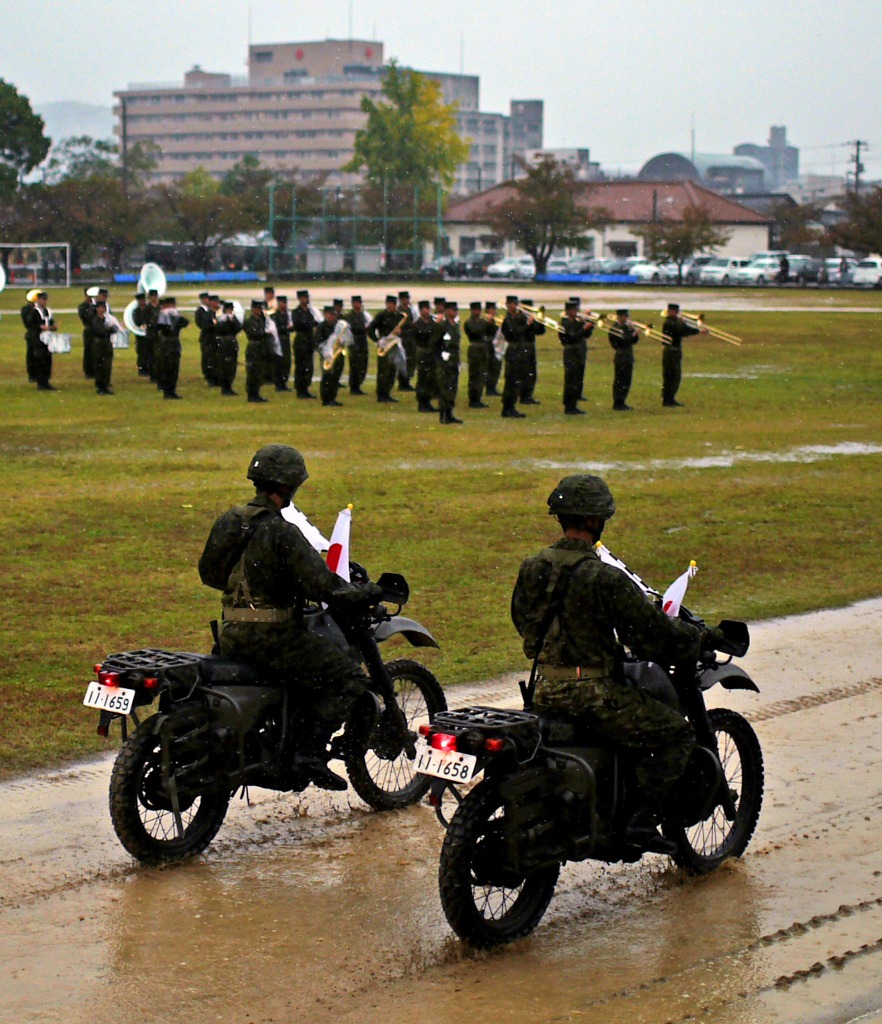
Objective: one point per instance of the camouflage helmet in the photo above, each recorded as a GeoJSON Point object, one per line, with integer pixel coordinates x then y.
{"type": "Point", "coordinates": [582, 495]}
{"type": "Point", "coordinates": [279, 464]}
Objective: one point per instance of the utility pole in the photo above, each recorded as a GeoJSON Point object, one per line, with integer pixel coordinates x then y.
{"type": "Point", "coordinates": [856, 160]}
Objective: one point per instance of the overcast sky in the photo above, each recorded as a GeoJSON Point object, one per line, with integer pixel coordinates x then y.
{"type": "Point", "coordinates": [624, 79]}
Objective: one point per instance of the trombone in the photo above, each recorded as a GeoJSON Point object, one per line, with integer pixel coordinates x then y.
{"type": "Point", "coordinates": [538, 314]}
{"type": "Point", "coordinates": [697, 320]}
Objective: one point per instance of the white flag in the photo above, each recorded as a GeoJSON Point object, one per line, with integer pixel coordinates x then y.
{"type": "Point", "coordinates": [609, 558]}
{"type": "Point", "coordinates": [312, 533]}
{"type": "Point", "coordinates": [338, 552]}
{"type": "Point", "coordinates": [673, 596]}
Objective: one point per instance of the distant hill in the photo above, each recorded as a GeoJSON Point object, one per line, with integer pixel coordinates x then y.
{"type": "Point", "coordinates": [67, 119]}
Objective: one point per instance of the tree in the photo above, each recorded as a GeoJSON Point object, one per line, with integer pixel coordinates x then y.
{"type": "Point", "coordinates": [249, 182]}
{"type": "Point", "coordinates": [541, 212]}
{"type": "Point", "coordinates": [861, 231]}
{"type": "Point", "coordinates": [197, 213]}
{"type": "Point", "coordinates": [408, 150]}
{"type": "Point", "coordinates": [676, 241]}
{"type": "Point", "coordinates": [796, 227]}
{"type": "Point", "coordinates": [22, 143]}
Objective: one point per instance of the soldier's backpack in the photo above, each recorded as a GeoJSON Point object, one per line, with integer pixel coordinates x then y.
{"type": "Point", "coordinates": [227, 542]}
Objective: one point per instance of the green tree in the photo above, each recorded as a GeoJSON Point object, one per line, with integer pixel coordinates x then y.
{"type": "Point", "coordinates": [249, 182]}
{"type": "Point", "coordinates": [676, 241]}
{"type": "Point", "coordinates": [23, 144]}
{"type": "Point", "coordinates": [541, 212]}
{"type": "Point", "coordinates": [796, 227]}
{"type": "Point", "coordinates": [861, 231]}
{"type": "Point", "coordinates": [196, 212]}
{"type": "Point", "coordinates": [408, 150]}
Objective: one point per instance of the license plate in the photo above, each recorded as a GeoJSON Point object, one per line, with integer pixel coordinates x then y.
{"type": "Point", "coordinates": [109, 698]}
{"type": "Point", "coordinates": [445, 764]}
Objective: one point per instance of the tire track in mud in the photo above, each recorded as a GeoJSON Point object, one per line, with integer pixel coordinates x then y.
{"type": "Point", "coordinates": [789, 707]}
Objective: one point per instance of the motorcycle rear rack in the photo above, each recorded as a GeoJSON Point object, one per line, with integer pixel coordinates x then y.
{"type": "Point", "coordinates": [500, 721]}
{"type": "Point", "coordinates": [149, 660]}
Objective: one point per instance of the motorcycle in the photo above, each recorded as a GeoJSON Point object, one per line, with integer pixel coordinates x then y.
{"type": "Point", "coordinates": [554, 792]}
{"type": "Point", "coordinates": [220, 726]}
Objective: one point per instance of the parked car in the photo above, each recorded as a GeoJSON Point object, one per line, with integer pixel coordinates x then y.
{"type": "Point", "coordinates": [769, 254]}
{"type": "Point", "coordinates": [868, 273]}
{"type": "Point", "coordinates": [475, 263]}
{"type": "Point", "coordinates": [643, 269]}
{"type": "Point", "coordinates": [805, 269]}
{"type": "Point", "coordinates": [721, 270]}
{"type": "Point", "coordinates": [691, 269]}
{"type": "Point", "coordinates": [764, 270]}
{"type": "Point", "coordinates": [833, 270]}
{"type": "Point", "coordinates": [513, 266]}
{"type": "Point", "coordinates": [437, 266]}
{"type": "Point", "coordinates": [581, 264]}
{"type": "Point", "coordinates": [558, 265]}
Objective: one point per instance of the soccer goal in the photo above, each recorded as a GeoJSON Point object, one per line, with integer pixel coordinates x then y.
{"type": "Point", "coordinates": [36, 264]}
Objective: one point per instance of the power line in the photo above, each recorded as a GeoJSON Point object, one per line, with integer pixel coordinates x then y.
{"type": "Point", "coordinates": [856, 160]}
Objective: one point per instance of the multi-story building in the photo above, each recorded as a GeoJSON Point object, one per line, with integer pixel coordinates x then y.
{"type": "Point", "coordinates": [780, 160]}
{"type": "Point", "coordinates": [299, 109]}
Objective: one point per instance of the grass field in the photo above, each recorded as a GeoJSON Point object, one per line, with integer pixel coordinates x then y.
{"type": "Point", "coordinates": [769, 478]}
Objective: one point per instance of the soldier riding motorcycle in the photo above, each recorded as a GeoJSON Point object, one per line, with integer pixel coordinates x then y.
{"type": "Point", "coordinates": [608, 748]}
{"type": "Point", "coordinates": [296, 660]}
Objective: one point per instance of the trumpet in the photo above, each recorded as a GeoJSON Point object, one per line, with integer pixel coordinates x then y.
{"type": "Point", "coordinates": [697, 320]}
{"type": "Point", "coordinates": [389, 341]}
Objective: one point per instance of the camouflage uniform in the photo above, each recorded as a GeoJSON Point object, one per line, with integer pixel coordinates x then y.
{"type": "Point", "coordinates": [580, 662]}
{"type": "Point", "coordinates": [273, 577]}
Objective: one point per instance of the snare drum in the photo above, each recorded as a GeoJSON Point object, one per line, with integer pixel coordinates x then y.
{"type": "Point", "coordinates": [120, 339]}
{"type": "Point", "coordinates": [58, 343]}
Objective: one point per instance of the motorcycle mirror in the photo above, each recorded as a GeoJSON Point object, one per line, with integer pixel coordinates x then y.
{"type": "Point", "coordinates": [737, 639]}
{"type": "Point", "coordinates": [394, 587]}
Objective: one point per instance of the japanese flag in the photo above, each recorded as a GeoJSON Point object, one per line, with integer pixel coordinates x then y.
{"type": "Point", "coordinates": [312, 533]}
{"type": "Point", "coordinates": [338, 552]}
{"type": "Point", "coordinates": [673, 596]}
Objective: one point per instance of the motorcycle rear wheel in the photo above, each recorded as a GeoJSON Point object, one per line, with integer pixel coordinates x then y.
{"type": "Point", "coordinates": [703, 847]}
{"type": "Point", "coordinates": [485, 905]}
{"type": "Point", "coordinates": [142, 816]}
{"type": "Point", "coordinates": [380, 771]}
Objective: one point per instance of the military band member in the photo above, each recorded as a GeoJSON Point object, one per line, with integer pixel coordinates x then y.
{"type": "Point", "coordinates": [139, 320]}
{"type": "Point", "coordinates": [675, 328]}
{"type": "Point", "coordinates": [167, 354]}
{"type": "Point", "coordinates": [227, 328]}
{"type": "Point", "coordinates": [528, 385]}
{"type": "Point", "coordinates": [358, 321]}
{"type": "Point", "coordinates": [475, 329]}
{"type": "Point", "coordinates": [439, 303]}
{"type": "Point", "coordinates": [408, 343]}
{"type": "Point", "coordinates": [259, 351]}
{"type": "Point", "coordinates": [39, 324]}
{"type": "Point", "coordinates": [151, 332]}
{"type": "Point", "coordinates": [427, 377]}
{"type": "Point", "coordinates": [446, 338]}
{"type": "Point", "coordinates": [494, 357]}
{"type": "Point", "coordinates": [515, 328]}
{"type": "Point", "coordinates": [623, 337]}
{"type": "Point", "coordinates": [102, 348]}
{"type": "Point", "coordinates": [573, 334]}
{"type": "Point", "coordinates": [583, 352]}
{"type": "Point", "coordinates": [204, 319]}
{"type": "Point", "coordinates": [388, 322]}
{"type": "Point", "coordinates": [86, 311]}
{"type": "Point", "coordinates": [281, 317]}
{"type": "Point", "coordinates": [330, 382]}
{"type": "Point", "coordinates": [269, 299]}
{"type": "Point", "coordinates": [303, 323]}
{"type": "Point", "coordinates": [24, 313]}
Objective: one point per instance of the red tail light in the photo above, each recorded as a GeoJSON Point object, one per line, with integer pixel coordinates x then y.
{"type": "Point", "coordinates": [493, 746]}
{"type": "Point", "coordinates": [108, 678]}
{"type": "Point", "coordinates": [444, 741]}
{"type": "Point", "coordinates": [425, 730]}
{"type": "Point", "coordinates": [151, 684]}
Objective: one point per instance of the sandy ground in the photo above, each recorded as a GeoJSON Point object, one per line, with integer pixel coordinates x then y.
{"type": "Point", "coordinates": [313, 909]}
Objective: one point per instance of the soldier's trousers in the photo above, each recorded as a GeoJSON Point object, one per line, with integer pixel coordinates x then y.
{"type": "Point", "coordinates": [88, 367]}
{"type": "Point", "coordinates": [582, 346]}
{"type": "Point", "coordinates": [477, 360]}
{"type": "Point", "coordinates": [517, 365]}
{"type": "Point", "coordinates": [330, 382]}
{"type": "Point", "coordinates": [255, 368]}
{"type": "Point", "coordinates": [167, 365]}
{"type": "Point", "coordinates": [228, 357]}
{"type": "Point", "coordinates": [39, 363]}
{"type": "Point", "coordinates": [303, 353]}
{"type": "Point", "coordinates": [572, 382]}
{"type": "Point", "coordinates": [358, 364]}
{"type": "Point", "coordinates": [448, 382]}
{"type": "Point", "coordinates": [427, 379]}
{"type": "Point", "coordinates": [623, 370]}
{"type": "Point", "coordinates": [318, 673]}
{"type": "Point", "coordinates": [672, 368]}
{"type": "Point", "coordinates": [385, 376]}
{"type": "Point", "coordinates": [409, 346]}
{"type": "Point", "coordinates": [494, 369]}
{"type": "Point", "coordinates": [209, 358]}
{"type": "Point", "coordinates": [102, 363]}
{"type": "Point", "coordinates": [531, 373]}
{"type": "Point", "coordinates": [283, 362]}
{"type": "Point", "coordinates": [144, 355]}
{"type": "Point", "coordinates": [656, 736]}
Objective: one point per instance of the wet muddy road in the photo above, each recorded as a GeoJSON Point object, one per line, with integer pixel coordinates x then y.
{"type": "Point", "coordinates": [313, 909]}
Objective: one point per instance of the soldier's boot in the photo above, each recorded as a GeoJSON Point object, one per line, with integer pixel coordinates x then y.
{"type": "Point", "coordinates": [312, 756]}
{"type": "Point", "coordinates": [641, 829]}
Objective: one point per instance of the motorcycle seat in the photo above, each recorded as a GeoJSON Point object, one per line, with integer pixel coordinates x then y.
{"type": "Point", "coordinates": [218, 671]}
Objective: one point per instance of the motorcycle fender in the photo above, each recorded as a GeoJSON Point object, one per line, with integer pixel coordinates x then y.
{"type": "Point", "coordinates": [730, 677]}
{"type": "Point", "coordinates": [415, 633]}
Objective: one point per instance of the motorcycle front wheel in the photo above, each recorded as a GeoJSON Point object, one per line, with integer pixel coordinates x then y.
{"type": "Point", "coordinates": [142, 813]}
{"type": "Point", "coordinates": [378, 767]}
{"type": "Point", "coordinates": [704, 846]}
{"type": "Point", "coordinates": [485, 904]}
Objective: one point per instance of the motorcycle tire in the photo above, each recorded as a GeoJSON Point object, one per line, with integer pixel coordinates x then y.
{"type": "Point", "coordinates": [142, 816]}
{"type": "Point", "coordinates": [485, 905]}
{"type": "Point", "coordinates": [378, 767]}
{"type": "Point", "coordinates": [703, 847]}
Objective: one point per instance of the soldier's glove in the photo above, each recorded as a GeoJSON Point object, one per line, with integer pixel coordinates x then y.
{"type": "Point", "coordinates": [370, 593]}
{"type": "Point", "coordinates": [712, 639]}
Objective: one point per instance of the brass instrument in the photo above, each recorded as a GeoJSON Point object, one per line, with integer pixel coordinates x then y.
{"type": "Point", "coordinates": [393, 338]}
{"type": "Point", "coordinates": [539, 315]}
{"type": "Point", "coordinates": [336, 345]}
{"type": "Point", "coordinates": [697, 320]}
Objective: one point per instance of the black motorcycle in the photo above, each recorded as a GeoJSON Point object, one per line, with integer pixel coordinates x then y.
{"type": "Point", "coordinates": [552, 792]}
{"type": "Point", "coordinates": [220, 725]}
